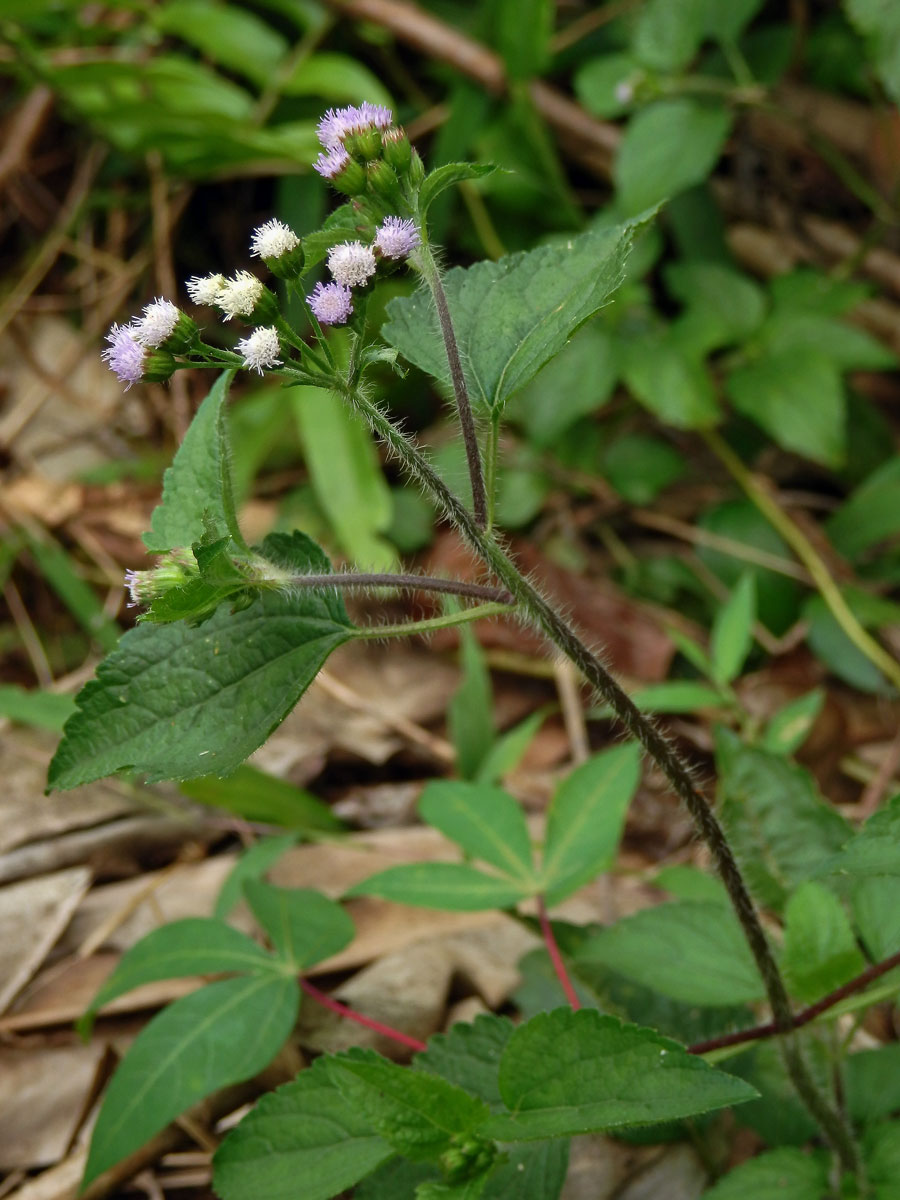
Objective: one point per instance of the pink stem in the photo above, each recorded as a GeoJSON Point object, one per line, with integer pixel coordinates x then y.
{"type": "Point", "coordinates": [555, 957]}
{"type": "Point", "coordinates": [352, 1015]}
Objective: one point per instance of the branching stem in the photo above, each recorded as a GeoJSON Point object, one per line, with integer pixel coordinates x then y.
{"type": "Point", "coordinates": [556, 957]}
{"type": "Point", "coordinates": [351, 1014]}
{"type": "Point", "coordinates": [433, 624]}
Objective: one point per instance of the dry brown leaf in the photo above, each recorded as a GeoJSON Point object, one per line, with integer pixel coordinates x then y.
{"type": "Point", "coordinates": [42, 1091]}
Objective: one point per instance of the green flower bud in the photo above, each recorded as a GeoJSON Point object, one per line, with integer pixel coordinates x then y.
{"type": "Point", "coordinates": [384, 182]}
{"type": "Point", "coordinates": [159, 365]}
{"type": "Point", "coordinates": [397, 150]}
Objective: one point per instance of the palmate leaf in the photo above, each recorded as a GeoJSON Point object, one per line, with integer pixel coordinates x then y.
{"type": "Point", "coordinates": [513, 315]}
{"type": "Point", "coordinates": [305, 926]}
{"type": "Point", "coordinates": [455, 887]}
{"type": "Point", "coordinates": [566, 1073]}
{"type": "Point", "coordinates": [166, 701]}
{"type": "Point", "coordinates": [205, 1041]}
{"type": "Point", "coordinates": [485, 821]}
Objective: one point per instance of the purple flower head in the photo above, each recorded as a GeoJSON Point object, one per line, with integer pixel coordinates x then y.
{"type": "Point", "coordinates": [338, 122]}
{"type": "Point", "coordinates": [331, 163]}
{"type": "Point", "coordinates": [260, 349]}
{"type": "Point", "coordinates": [351, 263]}
{"type": "Point", "coordinates": [332, 303]}
{"type": "Point", "coordinates": [395, 237]}
{"type": "Point", "coordinates": [124, 354]}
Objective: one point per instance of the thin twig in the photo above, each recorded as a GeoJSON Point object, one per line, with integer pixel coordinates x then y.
{"type": "Point", "coordinates": [805, 1015]}
{"type": "Point", "coordinates": [556, 957]}
{"type": "Point", "coordinates": [351, 1014]}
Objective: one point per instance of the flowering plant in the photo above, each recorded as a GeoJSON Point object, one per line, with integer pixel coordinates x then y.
{"type": "Point", "coordinates": [231, 635]}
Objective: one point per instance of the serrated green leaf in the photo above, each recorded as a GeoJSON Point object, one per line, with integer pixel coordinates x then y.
{"type": "Point", "coordinates": [194, 946]}
{"type": "Point", "coordinates": [305, 926]}
{"type": "Point", "coordinates": [723, 306]}
{"type": "Point", "coordinates": [342, 225]}
{"type": "Point", "coordinates": [779, 825]}
{"type": "Point", "coordinates": [469, 1056]}
{"type": "Point", "coordinates": [252, 864]}
{"type": "Point", "coordinates": [302, 1142]}
{"type": "Point", "coordinates": [692, 950]}
{"type": "Point", "coordinates": [447, 176]}
{"type": "Point", "coordinates": [452, 886]}
{"type": "Point", "coordinates": [875, 849]}
{"type": "Point", "coordinates": [787, 1172]}
{"type": "Point", "coordinates": [820, 951]}
{"type": "Point", "coordinates": [220, 579]}
{"type": "Point", "coordinates": [668, 147]}
{"type": "Point", "coordinates": [219, 1035]}
{"type": "Point", "coordinates": [485, 821]}
{"type": "Point", "coordinates": [788, 729]}
{"type": "Point", "coordinates": [585, 820]}
{"type": "Point", "coordinates": [732, 632]}
{"type": "Point", "coordinates": [345, 474]}
{"type": "Point", "coordinates": [514, 315]}
{"type": "Point", "coordinates": [418, 1114]}
{"type": "Point", "coordinates": [164, 702]}
{"type": "Point", "coordinates": [672, 386]}
{"type": "Point", "coordinates": [797, 397]}
{"type": "Point", "coordinates": [197, 493]}
{"type": "Point", "coordinates": [565, 1073]}
{"type": "Point", "coordinates": [533, 1171]}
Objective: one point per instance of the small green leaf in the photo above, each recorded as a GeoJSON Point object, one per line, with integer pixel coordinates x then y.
{"type": "Point", "coordinates": [797, 397]}
{"type": "Point", "coordinates": [668, 33]}
{"type": "Point", "coordinates": [257, 796]}
{"type": "Point", "coordinates": [881, 1144]}
{"type": "Point", "coordinates": [521, 32]}
{"type": "Point", "coordinates": [447, 176]}
{"type": "Point", "coordinates": [879, 21]}
{"type": "Point", "coordinates": [668, 147]}
{"type": "Point", "coordinates": [723, 306]}
{"type": "Point", "coordinates": [692, 950]}
{"type": "Point", "coordinates": [252, 864]}
{"type": "Point", "coordinates": [418, 1114]}
{"type": "Point", "coordinates": [470, 713]}
{"type": "Point", "coordinates": [163, 703]}
{"type": "Point", "coordinates": [676, 696]}
{"type": "Point", "coordinates": [673, 387]}
{"type": "Point", "coordinates": [469, 1056]}
{"type": "Point", "coordinates": [876, 912]}
{"type": "Point", "coordinates": [820, 951]}
{"type": "Point", "coordinates": [197, 492]}
{"type": "Point", "coordinates": [875, 849]}
{"type": "Point", "coordinates": [565, 1073]}
{"type": "Point", "coordinates": [871, 1081]}
{"type": "Point", "coordinates": [689, 883]}
{"type": "Point", "coordinates": [787, 1172]}
{"type": "Point", "coordinates": [640, 467]}
{"type": "Point", "coordinates": [452, 886]}
{"type": "Point", "coordinates": [337, 78]}
{"type": "Point", "coordinates": [869, 516]}
{"type": "Point", "coordinates": [789, 728]}
{"type": "Point", "coordinates": [602, 84]}
{"type": "Point", "coordinates": [485, 821]}
{"type": "Point", "coordinates": [345, 474]}
{"type": "Point", "coordinates": [46, 710]}
{"type": "Point", "coordinates": [230, 36]}
{"type": "Point", "coordinates": [533, 1171]}
{"type": "Point", "coordinates": [194, 946]}
{"type": "Point", "coordinates": [585, 820]}
{"type": "Point", "coordinates": [732, 633]}
{"type": "Point", "coordinates": [219, 1035]}
{"type": "Point", "coordinates": [507, 751]}
{"type": "Point", "coordinates": [305, 926]}
{"type": "Point", "coordinates": [302, 1142]}
{"type": "Point", "coordinates": [514, 315]}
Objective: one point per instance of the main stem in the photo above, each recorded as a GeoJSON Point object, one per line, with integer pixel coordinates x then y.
{"type": "Point", "coordinates": [677, 771]}
{"type": "Point", "coordinates": [432, 277]}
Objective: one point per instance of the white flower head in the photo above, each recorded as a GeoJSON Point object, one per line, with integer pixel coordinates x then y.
{"type": "Point", "coordinates": [156, 324]}
{"type": "Point", "coordinates": [352, 263]}
{"type": "Point", "coordinates": [260, 349]}
{"type": "Point", "coordinates": [204, 289]}
{"type": "Point", "coordinates": [273, 239]}
{"type": "Point", "coordinates": [239, 296]}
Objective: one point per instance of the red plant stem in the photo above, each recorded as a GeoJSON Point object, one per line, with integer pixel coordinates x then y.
{"type": "Point", "coordinates": [352, 1015]}
{"type": "Point", "coordinates": [805, 1015]}
{"type": "Point", "coordinates": [555, 957]}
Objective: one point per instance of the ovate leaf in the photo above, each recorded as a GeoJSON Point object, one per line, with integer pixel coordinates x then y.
{"type": "Point", "coordinates": [820, 951]}
{"type": "Point", "coordinates": [302, 1142]}
{"type": "Point", "coordinates": [305, 926]}
{"type": "Point", "coordinates": [452, 886]}
{"type": "Point", "coordinates": [788, 1173]}
{"type": "Point", "coordinates": [485, 821]}
{"type": "Point", "coordinates": [585, 820]}
{"type": "Point", "coordinates": [672, 386]}
{"type": "Point", "coordinates": [667, 148]}
{"type": "Point", "coordinates": [165, 701]}
{"type": "Point", "coordinates": [693, 951]}
{"type": "Point", "coordinates": [197, 493]}
{"type": "Point", "coordinates": [732, 634]}
{"type": "Point", "coordinates": [566, 1073]}
{"type": "Point", "coordinates": [447, 176]}
{"type": "Point", "coordinates": [513, 315]}
{"type": "Point", "coordinates": [205, 1041]}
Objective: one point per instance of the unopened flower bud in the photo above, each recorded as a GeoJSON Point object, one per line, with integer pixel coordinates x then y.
{"type": "Point", "coordinates": [159, 366]}
{"type": "Point", "coordinates": [383, 181]}
{"type": "Point", "coordinates": [342, 172]}
{"type": "Point", "coordinates": [173, 570]}
{"type": "Point", "coordinates": [416, 168]}
{"type": "Point", "coordinates": [396, 148]}
{"type": "Point", "coordinates": [366, 144]}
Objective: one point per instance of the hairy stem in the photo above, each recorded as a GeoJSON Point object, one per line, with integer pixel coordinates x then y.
{"type": "Point", "coordinates": [556, 957]}
{"type": "Point", "coordinates": [351, 1014]}
{"type": "Point", "coordinates": [413, 583]}
{"type": "Point", "coordinates": [432, 277]}
{"type": "Point", "coordinates": [545, 617]}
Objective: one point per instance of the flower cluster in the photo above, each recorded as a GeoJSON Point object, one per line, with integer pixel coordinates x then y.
{"type": "Point", "coordinates": [365, 156]}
